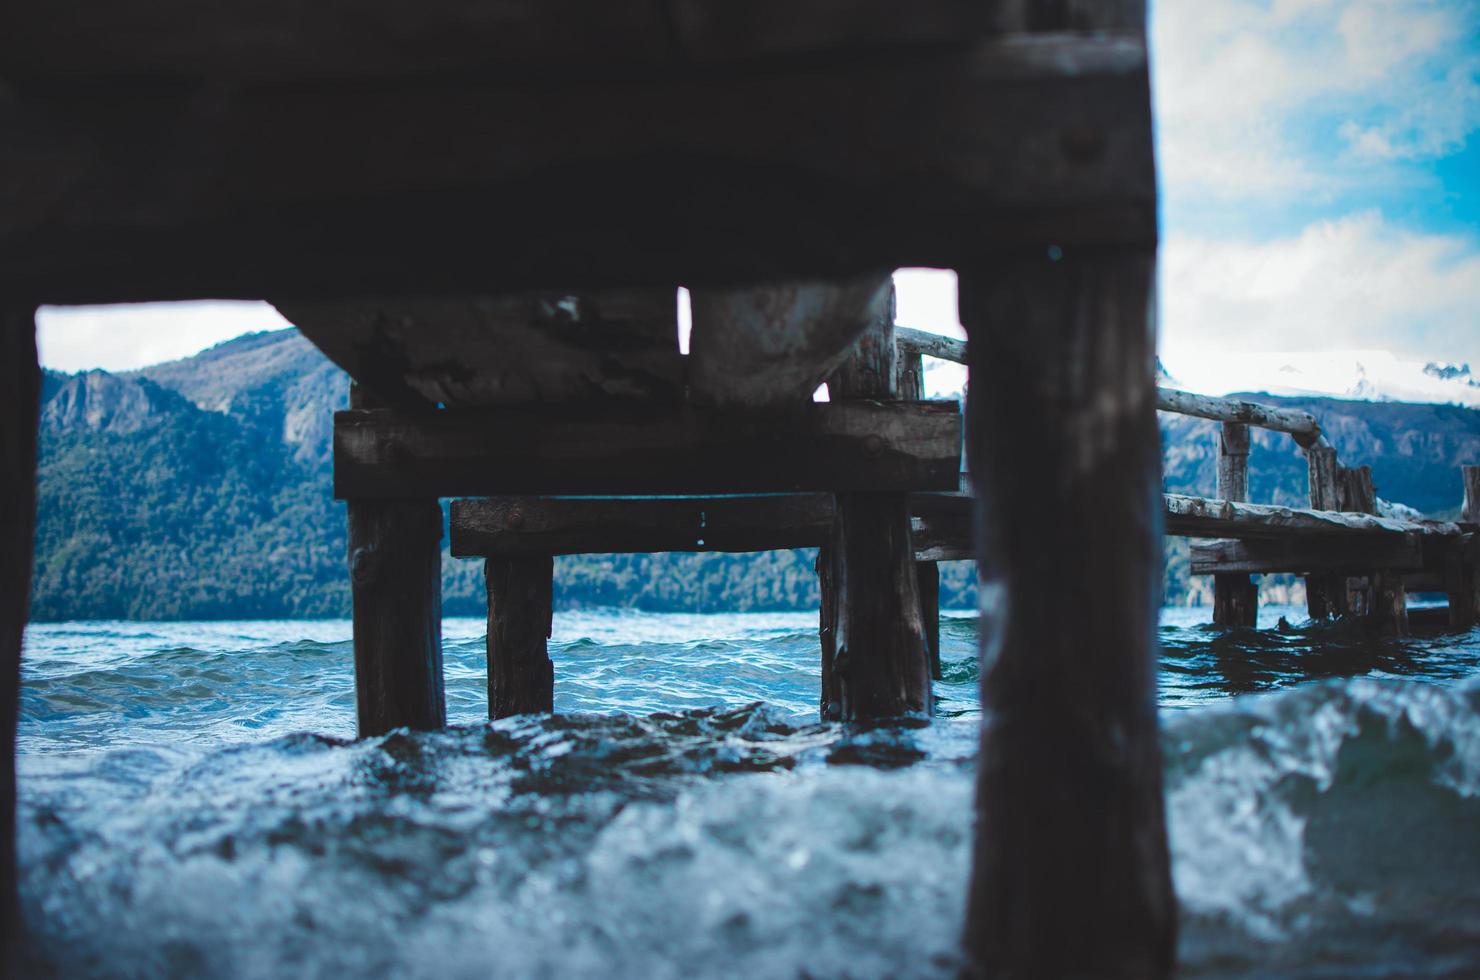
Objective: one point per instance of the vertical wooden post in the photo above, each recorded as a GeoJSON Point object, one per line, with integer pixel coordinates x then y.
{"type": "Point", "coordinates": [1071, 873]}
{"type": "Point", "coordinates": [395, 561]}
{"type": "Point", "coordinates": [521, 678]}
{"type": "Point", "coordinates": [879, 667]}
{"type": "Point", "coordinates": [1325, 594]}
{"type": "Point", "coordinates": [1462, 577]}
{"type": "Point", "coordinates": [1235, 597]}
{"type": "Point", "coordinates": [1379, 598]}
{"type": "Point", "coordinates": [20, 393]}
{"type": "Point", "coordinates": [927, 573]}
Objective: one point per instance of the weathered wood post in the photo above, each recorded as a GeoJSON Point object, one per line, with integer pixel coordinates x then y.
{"type": "Point", "coordinates": [521, 678]}
{"type": "Point", "coordinates": [911, 387]}
{"type": "Point", "coordinates": [1325, 593]}
{"type": "Point", "coordinates": [1379, 598]}
{"type": "Point", "coordinates": [875, 657]}
{"type": "Point", "coordinates": [1071, 874]}
{"type": "Point", "coordinates": [395, 563]}
{"type": "Point", "coordinates": [20, 394]}
{"type": "Point", "coordinates": [1235, 596]}
{"type": "Point", "coordinates": [1462, 577]}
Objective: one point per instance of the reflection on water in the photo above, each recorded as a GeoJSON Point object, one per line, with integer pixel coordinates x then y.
{"type": "Point", "coordinates": [192, 804]}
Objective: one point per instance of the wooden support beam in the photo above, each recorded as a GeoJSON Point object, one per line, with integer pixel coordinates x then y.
{"type": "Point", "coordinates": [1325, 595]}
{"type": "Point", "coordinates": [125, 189]}
{"type": "Point", "coordinates": [1460, 579]}
{"type": "Point", "coordinates": [762, 346]}
{"type": "Point", "coordinates": [553, 347]}
{"type": "Point", "coordinates": [1200, 517]}
{"type": "Point", "coordinates": [880, 667]}
{"type": "Point", "coordinates": [1470, 510]}
{"type": "Point", "coordinates": [915, 343]}
{"type": "Point", "coordinates": [1271, 556]}
{"type": "Point", "coordinates": [1302, 425]}
{"type": "Point", "coordinates": [1235, 595]}
{"type": "Point", "coordinates": [1071, 874]}
{"type": "Point", "coordinates": [927, 578]}
{"type": "Point", "coordinates": [395, 571]}
{"type": "Point", "coordinates": [20, 394]}
{"type": "Point", "coordinates": [862, 445]}
{"type": "Point", "coordinates": [395, 566]}
{"type": "Point", "coordinates": [521, 678]}
{"type": "Point", "coordinates": [529, 526]}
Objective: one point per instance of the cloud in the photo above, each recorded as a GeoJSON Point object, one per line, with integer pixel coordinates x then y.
{"type": "Point", "coordinates": [1357, 282]}
{"type": "Point", "coordinates": [118, 338]}
{"type": "Point", "coordinates": [1309, 96]}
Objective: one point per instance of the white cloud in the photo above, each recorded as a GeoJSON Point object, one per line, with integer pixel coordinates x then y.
{"type": "Point", "coordinates": [122, 337]}
{"type": "Point", "coordinates": [1308, 95]}
{"type": "Point", "coordinates": [1350, 284]}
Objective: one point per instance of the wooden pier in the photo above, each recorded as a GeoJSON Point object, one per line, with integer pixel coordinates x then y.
{"type": "Point", "coordinates": [483, 220]}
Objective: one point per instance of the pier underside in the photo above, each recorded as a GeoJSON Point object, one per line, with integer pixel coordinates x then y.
{"type": "Point", "coordinates": [484, 222]}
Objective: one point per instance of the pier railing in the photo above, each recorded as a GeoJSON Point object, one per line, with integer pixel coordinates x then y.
{"type": "Point", "coordinates": [1356, 563]}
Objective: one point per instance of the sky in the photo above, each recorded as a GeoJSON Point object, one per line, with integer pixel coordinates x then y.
{"type": "Point", "coordinates": [1319, 169]}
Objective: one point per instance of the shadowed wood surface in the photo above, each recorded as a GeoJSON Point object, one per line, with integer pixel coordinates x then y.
{"type": "Point", "coordinates": [131, 191]}
{"type": "Point", "coordinates": [521, 678]}
{"type": "Point", "coordinates": [513, 526]}
{"type": "Point", "coordinates": [762, 346]}
{"type": "Point", "coordinates": [1267, 556]}
{"type": "Point", "coordinates": [553, 348]}
{"type": "Point", "coordinates": [20, 396]}
{"type": "Point", "coordinates": [858, 445]}
{"type": "Point", "coordinates": [395, 566]}
{"type": "Point", "coordinates": [1071, 874]}
{"type": "Point", "coordinates": [1235, 595]}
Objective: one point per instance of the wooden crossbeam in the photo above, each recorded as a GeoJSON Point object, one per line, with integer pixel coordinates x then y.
{"type": "Point", "coordinates": [875, 446]}
{"type": "Point", "coordinates": [1356, 553]}
{"type": "Point", "coordinates": [514, 527]}
{"type": "Point", "coordinates": [1201, 517]}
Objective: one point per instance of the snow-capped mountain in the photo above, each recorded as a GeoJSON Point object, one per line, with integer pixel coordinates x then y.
{"type": "Point", "coordinates": [1365, 375]}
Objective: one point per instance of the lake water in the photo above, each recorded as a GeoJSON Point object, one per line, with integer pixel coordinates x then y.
{"type": "Point", "coordinates": [192, 805]}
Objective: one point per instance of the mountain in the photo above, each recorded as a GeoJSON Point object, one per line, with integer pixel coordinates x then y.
{"type": "Point", "coordinates": [201, 488]}
{"type": "Point", "coordinates": [1359, 375]}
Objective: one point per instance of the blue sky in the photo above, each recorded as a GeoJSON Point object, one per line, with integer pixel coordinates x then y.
{"type": "Point", "coordinates": [1319, 164]}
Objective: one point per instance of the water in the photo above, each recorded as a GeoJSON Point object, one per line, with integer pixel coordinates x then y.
{"type": "Point", "coordinates": [191, 805]}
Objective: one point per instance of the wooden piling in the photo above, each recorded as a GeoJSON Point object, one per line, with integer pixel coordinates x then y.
{"type": "Point", "coordinates": [1235, 596]}
{"type": "Point", "coordinates": [20, 392]}
{"type": "Point", "coordinates": [1325, 593]}
{"type": "Point", "coordinates": [910, 375]}
{"type": "Point", "coordinates": [879, 664]}
{"type": "Point", "coordinates": [521, 678]}
{"type": "Point", "coordinates": [1378, 598]}
{"type": "Point", "coordinates": [1462, 571]}
{"type": "Point", "coordinates": [1470, 511]}
{"type": "Point", "coordinates": [395, 562]}
{"type": "Point", "coordinates": [1071, 874]}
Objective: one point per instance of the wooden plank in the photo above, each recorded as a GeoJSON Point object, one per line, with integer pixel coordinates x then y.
{"type": "Point", "coordinates": [134, 192]}
{"type": "Point", "coordinates": [1302, 425]}
{"type": "Point", "coordinates": [1270, 556]}
{"type": "Point", "coordinates": [918, 342]}
{"type": "Point", "coordinates": [508, 350]}
{"type": "Point", "coordinates": [880, 446]}
{"type": "Point", "coordinates": [761, 346]}
{"type": "Point", "coordinates": [395, 566]}
{"type": "Point", "coordinates": [1071, 875]}
{"type": "Point", "coordinates": [1200, 517]}
{"type": "Point", "coordinates": [1235, 596]}
{"type": "Point", "coordinates": [20, 390]}
{"type": "Point", "coordinates": [527, 526]}
{"type": "Point", "coordinates": [1325, 595]}
{"type": "Point", "coordinates": [521, 678]}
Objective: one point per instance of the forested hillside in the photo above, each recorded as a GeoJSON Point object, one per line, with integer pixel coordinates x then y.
{"type": "Point", "coordinates": [201, 489]}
